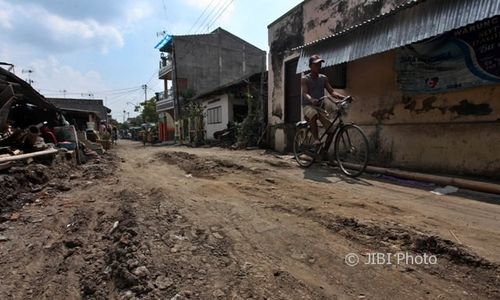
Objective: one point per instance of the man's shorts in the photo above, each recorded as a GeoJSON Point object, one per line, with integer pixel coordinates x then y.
{"type": "Point", "coordinates": [311, 111]}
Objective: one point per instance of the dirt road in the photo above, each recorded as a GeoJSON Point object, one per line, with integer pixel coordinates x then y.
{"type": "Point", "coordinates": [183, 223]}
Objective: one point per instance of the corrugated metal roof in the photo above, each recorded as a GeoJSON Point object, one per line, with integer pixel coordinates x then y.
{"type": "Point", "coordinates": [409, 23]}
{"type": "Point", "coordinates": [24, 91]}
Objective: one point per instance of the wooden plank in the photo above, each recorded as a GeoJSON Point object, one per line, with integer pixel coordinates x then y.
{"type": "Point", "coordinates": [29, 155]}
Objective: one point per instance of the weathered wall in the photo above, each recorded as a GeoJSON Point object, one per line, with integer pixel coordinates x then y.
{"type": "Point", "coordinates": [309, 21]}
{"type": "Point", "coordinates": [455, 132]}
{"type": "Point", "coordinates": [209, 61]}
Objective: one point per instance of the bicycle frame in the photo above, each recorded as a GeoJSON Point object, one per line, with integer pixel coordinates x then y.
{"type": "Point", "coordinates": [331, 136]}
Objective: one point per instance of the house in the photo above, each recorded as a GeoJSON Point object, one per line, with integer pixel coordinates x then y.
{"type": "Point", "coordinates": [424, 75]}
{"type": "Point", "coordinates": [229, 103]}
{"type": "Point", "coordinates": [78, 109]}
{"type": "Point", "coordinates": [194, 64]}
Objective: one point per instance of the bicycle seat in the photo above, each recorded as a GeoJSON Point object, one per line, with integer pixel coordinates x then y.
{"type": "Point", "coordinates": [302, 124]}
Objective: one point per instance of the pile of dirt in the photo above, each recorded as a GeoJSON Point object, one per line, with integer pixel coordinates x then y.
{"type": "Point", "coordinates": [20, 185]}
{"type": "Point", "coordinates": [202, 167]}
{"type": "Point", "coordinates": [100, 167]}
{"type": "Point", "coordinates": [456, 253]}
{"type": "Point", "coordinates": [120, 267]}
{"type": "Point", "coordinates": [134, 262]}
{"type": "Point", "coordinates": [24, 184]}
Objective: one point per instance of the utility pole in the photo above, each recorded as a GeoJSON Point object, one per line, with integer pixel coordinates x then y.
{"type": "Point", "coordinates": [145, 88]}
{"type": "Point", "coordinates": [63, 92]}
{"type": "Point", "coordinates": [124, 115]}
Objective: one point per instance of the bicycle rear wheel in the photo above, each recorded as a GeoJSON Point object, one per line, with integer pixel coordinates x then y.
{"type": "Point", "coordinates": [303, 148]}
{"type": "Point", "coordinates": [351, 150]}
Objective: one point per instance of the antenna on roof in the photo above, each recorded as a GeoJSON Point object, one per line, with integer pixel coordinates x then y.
{"type": "Point", "coordinates": [91, 95]}
{"type": "Point", "coordinates": [29, 71]}
{"type": "Point", "coordinates": [161, 33]}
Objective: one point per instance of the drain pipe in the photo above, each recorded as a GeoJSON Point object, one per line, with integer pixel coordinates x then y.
{"type": "Point", "coordinates": [474, 185]}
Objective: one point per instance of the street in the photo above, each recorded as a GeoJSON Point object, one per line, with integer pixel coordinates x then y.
{"type": "Point", "coordinates": [209, 223]}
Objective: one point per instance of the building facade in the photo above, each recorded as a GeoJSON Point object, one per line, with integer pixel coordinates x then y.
{"type": "Point", "coordinates": [424, 76]}
{"type": "Point", "coordinates": [229, 103]}
{"type": "Point", "coordinates": [194, 64]}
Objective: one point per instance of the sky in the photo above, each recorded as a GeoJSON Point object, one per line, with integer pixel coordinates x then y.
{"type": "Point", "coordinates": [105, 49]}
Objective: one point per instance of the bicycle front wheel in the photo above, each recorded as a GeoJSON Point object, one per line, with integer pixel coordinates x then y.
{"type": "Point", "coordinates": [351, 150]}
{"type": "Point", "coordinates": [303, 148]}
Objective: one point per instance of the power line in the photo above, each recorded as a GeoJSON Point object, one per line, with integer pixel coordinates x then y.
{"type": "Point", "coordinates": [123, 94]}
{"type": "Point", "coordinates": [108, 92]}
{"type": "Point", "coordinates": [126, 97]}
{"type": "Point", "coordinates": [166, 15]}
{"type": "Point", "coordinates": [208, 16]}
{"type": "Point", "coordinates": [165, 8]}
{"type": "Point", "coordinates": [117, 90]}
{"type": "Point", "coordinates": [202, 14]}
{"type": "Point", "coordinates": [220, 14]}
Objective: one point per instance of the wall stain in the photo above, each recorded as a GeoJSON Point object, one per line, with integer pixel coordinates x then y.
{"type": "Point", "coordinates": [277, 111]}
{"type": "Point", "coordinates": [323, 21]}
{"type": "Point", "coordinates": [383, 114]}
{"type": "Point", "coordinates": [353, 15]}
{"type": "Point", "coordinates": [326, 4]}
{"type": "Point", "coordinates": [290, 34]}
{"type": "Point", "coordinates": [465, 108]}
{"type": "Point", "coordinates": [311, 25]}
{"type": "Point", "coordinates": [409, 103]}
{"type": "Point", "coordinates": [380, 155]}
{"type": "Point", "coordinates": [427, 105]}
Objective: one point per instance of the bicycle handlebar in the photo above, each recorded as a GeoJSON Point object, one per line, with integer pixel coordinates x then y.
{"type": "Point", "coordinates": [339, 102]}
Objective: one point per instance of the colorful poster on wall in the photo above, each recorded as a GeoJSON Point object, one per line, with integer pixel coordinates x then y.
{"type": "Point", "coordinates": [464, 58]}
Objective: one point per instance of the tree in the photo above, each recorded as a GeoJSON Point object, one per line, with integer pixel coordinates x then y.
{"type": "Point", "coordinates": [148, 112]}
{"type": "Point", "coordinates": [193, 114]}
{"type": "Point", "coordinates": [250, 129]}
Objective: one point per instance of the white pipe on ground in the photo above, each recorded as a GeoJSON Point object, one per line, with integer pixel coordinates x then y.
{"type": "Point", "coordinates": [474, 185]}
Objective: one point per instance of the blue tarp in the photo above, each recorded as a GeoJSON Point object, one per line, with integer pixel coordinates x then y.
{"type": "Point", "coordinates": [165, 40]}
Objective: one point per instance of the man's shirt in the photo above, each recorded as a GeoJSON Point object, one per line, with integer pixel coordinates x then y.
{"type": "Point", "coordinates": [315, 86]}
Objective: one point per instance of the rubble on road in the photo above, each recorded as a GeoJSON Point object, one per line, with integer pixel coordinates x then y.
{"type": "Point", "coordinates": [24, 184]}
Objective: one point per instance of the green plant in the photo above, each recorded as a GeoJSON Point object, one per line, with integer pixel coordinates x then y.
{"type": "Point", "coordinates": [148, 113]}
{"type": "Point", "coordinates": [193, 114]}
{"type": "Point", "coordinates": [105, 136]}
{"type": "Point", "coordinates": [249, 131]}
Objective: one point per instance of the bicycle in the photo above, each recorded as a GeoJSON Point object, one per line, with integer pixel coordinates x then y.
{"type": "Point", "coordinates": [350, 142]}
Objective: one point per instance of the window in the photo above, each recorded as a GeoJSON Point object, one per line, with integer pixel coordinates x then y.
{"type": "Point", "coordinates": [337, 75]}
{"type": "Point", "coordinates": [214, 115]}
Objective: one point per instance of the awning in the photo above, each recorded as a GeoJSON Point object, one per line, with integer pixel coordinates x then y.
{"type": "Point", "coordinates": [414, 21]}
{"type": "Point", "coordinates": [165, 40]}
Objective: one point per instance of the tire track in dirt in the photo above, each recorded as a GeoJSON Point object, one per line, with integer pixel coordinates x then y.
{"type": "Point", "coordinates": [202, 167]}
{"type": "Point", "coordinates": [455, 261]}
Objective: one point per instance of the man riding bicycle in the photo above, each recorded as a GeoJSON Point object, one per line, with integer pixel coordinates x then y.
{"type": "Point", "coordinates": [313, 92]}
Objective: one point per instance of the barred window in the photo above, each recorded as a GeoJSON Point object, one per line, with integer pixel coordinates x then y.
{"type": "Point", "coordinates": [214, 115]}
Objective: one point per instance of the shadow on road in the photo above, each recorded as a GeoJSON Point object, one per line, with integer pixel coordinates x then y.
{"type": "Point", "coordinates": [328, 174]}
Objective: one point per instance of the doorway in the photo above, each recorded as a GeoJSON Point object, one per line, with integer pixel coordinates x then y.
{"type": "Point", "coordinates": [293, 95]}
